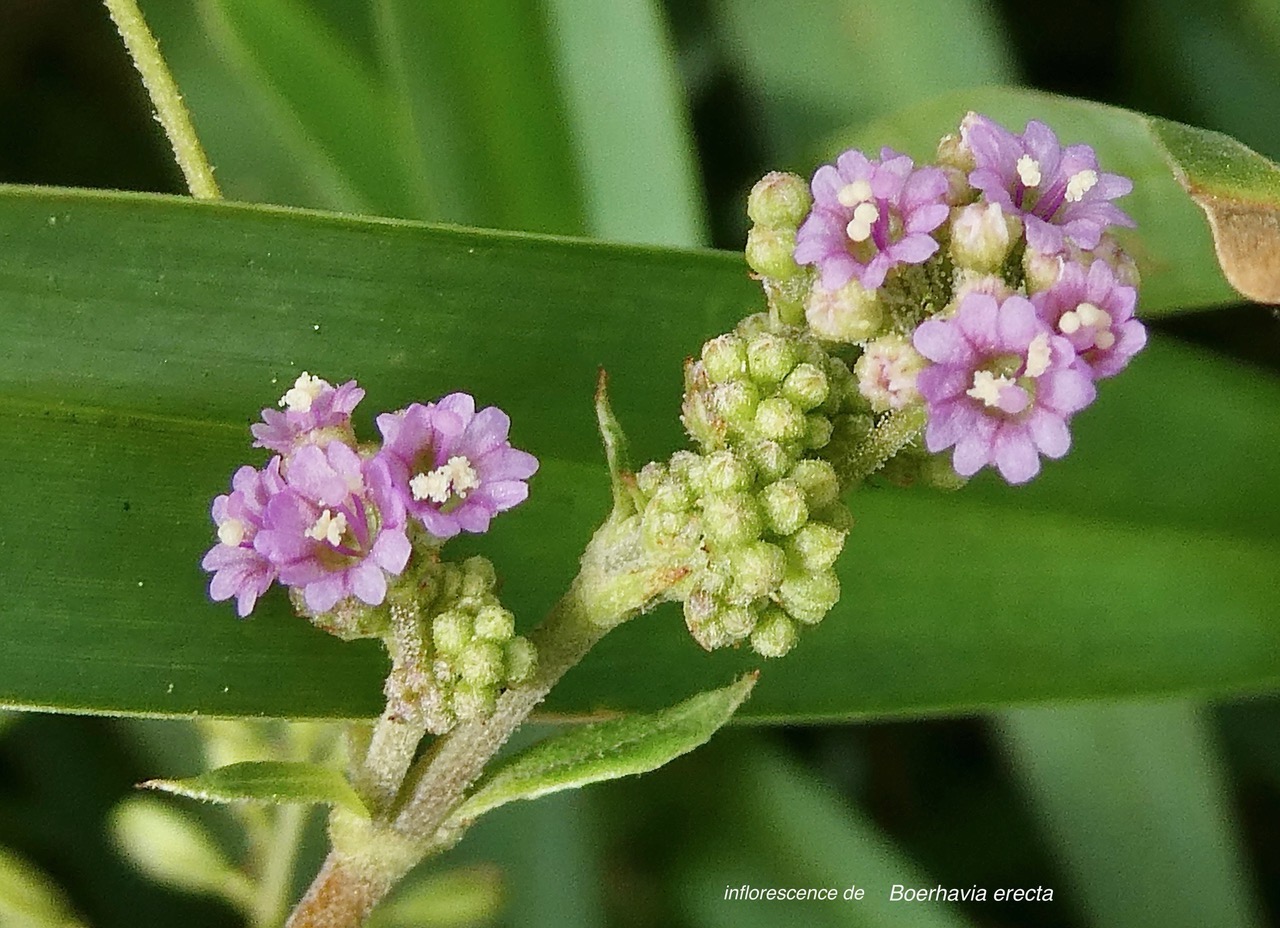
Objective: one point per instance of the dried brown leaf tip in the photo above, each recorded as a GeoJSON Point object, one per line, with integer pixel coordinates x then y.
{"type": "Point", "coordinates": [1239, 191]}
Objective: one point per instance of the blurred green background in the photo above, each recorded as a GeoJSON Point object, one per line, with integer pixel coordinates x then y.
{"type": "Point", "coordinates": [1158, 815]}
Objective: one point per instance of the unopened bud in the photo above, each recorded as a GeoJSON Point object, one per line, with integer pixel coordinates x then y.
{"type": "Point", "coordinates": [770, 357]}
{"type": "Point", "coordinates": [806, 386]}
{"type": "Point", "coordinates": [775, 634]}
{"type": "Point", "coordinates": [471, 701]}
{"type": "Point", "coordinates": [779, 200]}
{"type": "Point", "coordinates": [495, 623]}
{"type": "Point", "coordinates": [1042, 270]}
{"type": "Point", "coordinates": [982, 235]}
{"type": "Point", "coordinates": [723, 471]}
{"type": "Point", "coordinates": [522, 659]}
{"type": "Point", "coordinates": [818, 480]}
{"type": "Point", "coordinates": [451, 632]}
{"type": "Point", "coordinates": [887, 373]}
{"type": "Point", "coordinates": [725, 358]}
{"type": "Point", "coordinates": [736, 403]}
{"type": "Point", "coordinates": [731, 519]}
{"type": "Point", "coordinates": [850, 314]}
{"type": "Point", "coordinates": [953, 152]}
{"type": "Point", "coordinates": [808, 596]}
{"type": "Point", "coordinates": [817, 431]}
{"type": "Point", "coordinates": [770, 252]}
{"type": "Point", "coordinates": [779, 419]}
{"type": "Point", "coordinates": [817, 545]}
{"type": "Point", "coordinates": [481, 663]}
{"type": "Point", "coordinates": [756, 569]}
{"type": "Point", "coordinates": [478, 577]}
{"type": "Point", "coordinates": [785, 507]}
{"type": "Point", "coordinates": [772, 461]}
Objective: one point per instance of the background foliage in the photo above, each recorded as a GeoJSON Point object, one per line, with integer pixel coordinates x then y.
{"type": "Point", "coordinates": [642, 123]}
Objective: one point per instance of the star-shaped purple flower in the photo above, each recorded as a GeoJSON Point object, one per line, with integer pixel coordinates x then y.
{"type": "Point", "coordinates": [336, 530]}
{"type": "Point", "coordinates": [453, 467]}
{"type": "Point", "coordinates": [1093, 311]}
{"type": "Point", "coordinates": [869, 217]}
{"type": "Point", "coordinates": [240, 570]}
{"type": "Point", "coordinates": [313, 409]}
{"type": "Point", "coordinates": [1001, 387]}
{"type": "Point", "coordinates": [1059, 192]}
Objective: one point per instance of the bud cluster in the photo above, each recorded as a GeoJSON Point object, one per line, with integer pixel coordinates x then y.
{"type": "Point", "coordinates": [756, 512]}
{"type": "Point", "coordinates": [454, 647]}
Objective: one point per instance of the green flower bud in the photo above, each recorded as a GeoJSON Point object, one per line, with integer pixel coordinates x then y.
{"type": "Point", "coordinates": [1042, 271]}
{"type": "Point", "coordinates": [649, 477]}
{"type": "Point", "coordinates": [806, 386]}
{"type": "Point", "coordinates": [451, 631]}
{"type": "Point", "coordinates": [780, 420]}
{"type": "Point", "coordinates": [953, 152]}
{"type": "Point", "coordinates": [736, 403]}
{"type": "Point", "coordinates": [482, 663]}
{"type": "Point", "coordinates": [818, 480]}
{"type": "Point", "coordinates": [817, 431]}
{"type": "Point", "coordinates": [982, 235]}
{"type": "Point", "coordinates": [770, 252]}
{"type": "Point", "coordinates": [495, 623]}
{"type": "Point", "coordinates": [808, 597]}
{"type": "Point", "coordinates": [672, 495]}
{"type": "Point", "coordinates": [700, 618]}
{"type": "Point", "coordinates": [850, 314]}
{"type": "Point", "coordinates": [687, 466]}
{"type": "Point", "coordinates": [725, 358]}
{"type": "Point", "coordinates": [731, 519]}
{"type": "Point", "coordinates": [756, 569]}
{"type": "Point", "coordinates": [522, 659]}
{"type": "Point", "coordinates": [737, 621]}
{"type": "Point", "coordinates": [785, 507]}
{"type": "Point", "coordinates": [478, 577]}
{"type": "Point", "coordinates": [817, 545]}
{"type": "Point", "coordinates": [471, 701]}
{"type": "Point", "coordinates": [771, 459]}
{"type": "Point", "coordinates": [779, 200]}
{"type": "Point", "coordinates": [775, 634]}
{"type": "Point", "coordinates": [697, 414]}
{"type": "Point", "coordinates": [837, 515]}
{"type": "Point", "coordinates": [671, 534]}
{"type": "Point", "coordinates": [770, 357]}
{"type": "Point", "coordinates": [724, 471]}
{"type": "Point", "coordinates": [843, 395]}
{"type": "Point", "coordinates": [887, 372]}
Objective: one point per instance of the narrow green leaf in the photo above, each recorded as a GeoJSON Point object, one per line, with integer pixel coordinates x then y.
{"type": "Point", "coordinates": [486, 114]}
{"type": "Point", "coordinates": [143, 333]}
{"type": "Point", "coordinates": [270, 781]}
{"type": "Point", "coordinates": [609, 750]}
{"type": "Point", "coordinates": [1135, 800]}
{"type": "Point", "coordinates": [1172, 244]}
{"type": "Point", "coordinates": [627, 120]}
{"type": "Point", "coordinates": [324, 97]}
{"type": "Point", "coordinates": [464, 898]}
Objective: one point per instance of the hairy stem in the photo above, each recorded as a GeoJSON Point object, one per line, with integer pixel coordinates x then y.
{"type": "Point", "coordinates": [894, 432]}
{"type": "Point", "coordinates": [170, 109]}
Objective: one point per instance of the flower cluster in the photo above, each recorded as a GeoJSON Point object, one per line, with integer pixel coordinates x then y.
{"type": "Point", "coordinates": [755, 514]}
{"type": "Point", "coordinates": [334, 520]}
{"type": "Point", "coordinates": [987, 288]}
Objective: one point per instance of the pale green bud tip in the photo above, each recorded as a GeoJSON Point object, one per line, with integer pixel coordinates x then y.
{"type": "Point", "coordinates": [784, 506]}
{"type": "Point", "coordinates": [724, 471]}
{"type": "Point", "coordinates": [771, 459]}
{"type": "Point", "coordinates": [756, 568]}
{"type": "Point", "coordinates": [649, 477]}
{"type": "Point", "coordinates": [495, 623]}
{"type": "Point", "coordinates": [769, 252]}
{"type": "Point", "coordinates": [817, 545]}
{"type": "Point", "coordinates": [451, 632]}
{"type": "Point", "coordinates": [818, 480]}
{"type": "Point", "coordinates": [817, 431]}
{"type": "Point", "coordinates": [736, 403]}
{"type": "Point", "coordinates": [481, 663]}
{"type": "Point", "coordinates": [478, 577]}
{"type": "Point", "coordinates": [725, 358]}
{"type": "Point", "coordinates": [809, 596]}
{"type": "Point", "coordinates": [779, 200]}
{"type": "Point", "coordinates": [775, 634]}
{"type": "Point", "coordinates": [982, 235]}
{"type": "Point", "coordinates": [522, 660]}
{"type": "Point", "coordinates": [1042, 271]}
{"type": "Point", "coordinates": [778, 419]}
{"type": "Point", "coordinates": [806, 386]}
{"type": "Point", "coordinates": [770, 357]}
{"type": "Point", "coordinates": [954, 153]}
{"type": "Point", "coordinates": [850, 314]}
{"type": "Point", "coordinates": [731, 519]}
{"type": "Point", "coordinates": [474, 701]}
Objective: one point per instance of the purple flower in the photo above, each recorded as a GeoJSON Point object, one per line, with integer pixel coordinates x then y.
{"type": "Point", "coordinates": [313, 409]}
{"type": "Point", "coordinates": [1001, 387]}
{"type": "Point", "coordinates": [1059, 192]}
{"type": "Point", "coordinates": [1093, 311]}
{"type": "Point", "coordinates": [453, 467]}
{"type": "Point", "coordinates": [871, 216]}
{"type": "Point", "coordinates": [336, 529]}
{"type": "Point", "coordinates": [239, 569]}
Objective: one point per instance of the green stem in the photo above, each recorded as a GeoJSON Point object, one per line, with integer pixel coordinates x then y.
{"type": "Point", "coordinates": [160, 85]}
{"type": "Point", "coordinates": [893, 433]}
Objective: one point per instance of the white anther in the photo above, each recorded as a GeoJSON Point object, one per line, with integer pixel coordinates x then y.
{"type": "Point", "coordinates": [987, 386]}
{"type": "Point", "coordinates": [864, 217]}
{"type": "Point", "coordinates": [456, 477]}
{"type": "Point", "coordinates": [329, 527]}
{"type": "Point", "coordinates": [1079, 184]}
{"type": "Point", "coordinates": [1029, 171]}
{"type": "Point", "coordinates": [1104, 339]}
{"type": "Point", "coordinates": [1069, 324]}
{"type": "Point", "coordinates": [231, 532]}
{"type": "Point", "coordinates": [851, 195]}
{"type": "Point", "coordinates": [1093, 317]}
{"type": "Point", "coordinates": [303, 393]}
{"type": "Point", "coordinates": [1038, 355]}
